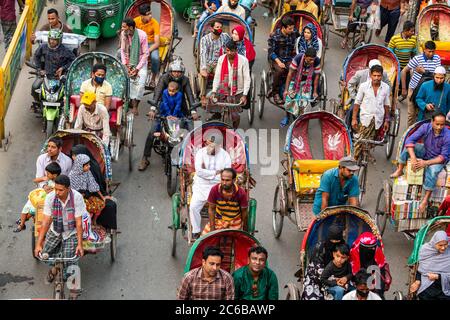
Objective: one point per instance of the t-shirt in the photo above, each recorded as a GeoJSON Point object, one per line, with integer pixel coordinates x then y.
{"type": "Point", "coordinates": [305, 70]}
{"type": "Point", "coordinates": [65, 28]}
{"type": "Point", "coordinates": [101, 92]}
{"type": "Point", "coordinates": [428, 64]}
{"type": "Point", "coordinates": [228, 209]}
{"type": "Point", "coordinates": [332, 272]}
{"type": "Point", "coordinates": [310, 7]}
{"type": "Point", "coordinates": [151, 28]}
{"type": "Point", "coordinates": [8, 10]}
{"type": "Point", "coordinates": [404, 49]}
{"type": "Point", "coordinates": [352, 296]}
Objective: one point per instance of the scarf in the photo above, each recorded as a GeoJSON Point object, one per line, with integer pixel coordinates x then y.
{"type": "Point", "coordinates": [57, 214]}
{"type": "Point", "coordinates": [335, 232]}
{"type": "Point", "coordinates": [95, 167]}
{"type": "Point", "coordinates": [131, 48]}
{"type": "Point", "coordinates": [303, 45]}
{"type": "Point", "coordinates": [306, 86]}
{"type": "Point", "coordinates": [80, 180]}
{"type": "Point", "coordinates": [431, 261]}
{"type": "Point", "coordinates": [245, 44]}
{"type": "Point", "coordinates": [361, 256]}
{"type": "Point", "coordinates": [224, 88]}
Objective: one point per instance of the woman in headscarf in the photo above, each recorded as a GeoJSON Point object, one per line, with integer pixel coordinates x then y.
{"type": "Point", "coordinates": [321, 256]}
{"type": "Point", "coordinates": [308, 38]}
{"type": "Point", "coordinates": [433, 275]}
{"type": "Point", "coordinates": [367, 251]}
{"type": "Point", "coordinates": [244, 46]}
{"type": "Point", "coordinates": [108, 217]}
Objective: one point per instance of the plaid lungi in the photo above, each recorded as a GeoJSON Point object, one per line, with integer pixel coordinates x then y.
{"type": "Point", "coordinates": [368, 133]}
{"type": "Point", "coordinates": [235, 224]}
{"type": "Point", "coordinates": [8, 27]}
{"type": "Point", "coordinates": [54, 245]}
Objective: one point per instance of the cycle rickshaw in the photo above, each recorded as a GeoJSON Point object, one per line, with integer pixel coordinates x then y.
{"type": "Point", "coordinates": [398, 199]}
{"type": "Point", "coordinates": [354, 221]}
{"type": "Point", "coordinates": [120, 121]}
{"type": "Point", "coordinates": [416, 6]}
{"type": "Point", "coordinates": [301, 18]}
{"type": "Point", "coordinates": [423, 236]}
{"type": "Point", "coordinates": [229, 21]}
{"type": "Point", "coordinates": [304, 166]}
{"type": "Point", "coordinates": [235, 145]}
{"type": "Point", "coordinates": [168, 39]}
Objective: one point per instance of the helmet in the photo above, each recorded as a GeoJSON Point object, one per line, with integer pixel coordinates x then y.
{"type": "Point", "coordinates": [55, 34]}
{"type": "Point", "coordinates": [177, 65]}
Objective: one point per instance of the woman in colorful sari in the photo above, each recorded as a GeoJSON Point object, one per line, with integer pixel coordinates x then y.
{"type": "Point", "coordinates": [367, 252]}
{"type": "Point", "coordinates": [309, 39]}
{"type": "Point", "coordinates": [321, 256]}
{"type": "Point", "coordinates": [302, 82]}
{"type": "Point", "coordinates": [433, 276]}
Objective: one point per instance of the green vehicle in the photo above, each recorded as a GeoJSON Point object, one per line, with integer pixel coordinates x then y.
{"type": "Point", "coordinates": [95, 18]}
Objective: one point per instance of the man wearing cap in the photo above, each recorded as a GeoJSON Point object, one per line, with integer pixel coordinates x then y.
{"type": "Point", "coordinates": [434, 95]}
{"type": "Point", "coordinates": [93, 116]}
{"type": "Point", "coordinates": [209, 162]}
{"type": "Point", "coordinates": [362, 76]}
{"type": "Point", "coordinates": [338, 186]}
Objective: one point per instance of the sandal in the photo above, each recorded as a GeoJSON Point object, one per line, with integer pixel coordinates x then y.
{"type": "Point", "coordinates": [19, 228]}
{"type": "Point", "coordinates": [51, 275]}
{"type": "Point", "coordinates": [144, 164]}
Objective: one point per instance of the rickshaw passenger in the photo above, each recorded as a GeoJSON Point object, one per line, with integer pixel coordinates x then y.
{"type": "Point", "coordinates": [337, 274]}
{"type": "Point", "coordinates": [228, 204]}
{"type": "Point", "coordinates": [362, 76]}
{"type": "Point", "coordinates": [98, 84]}
{"type": "Point", "coordinates": [365, 253]}
{"type": "Point", "coordinates": [434, 95]}
{"type": "Point", "coordinates": [54, 154]}
{"type": "Point", "coordinates": [232, 7]}
{"type": "Point", "coordinates": [372, 106]}
{"type": "Point", "coordinates": [430, 155]}
{"type": "Point", "coordinates": [150, 26]}
{"type": "Point", "coordinates": [62, 224]}
{"type": "Point", "coordinates": [210, 46]}
{"type": "Point", "coordinates": [54, 22]}
{"type": "Point", "coordinates": [244, 46]}
{"type": "Point", "coordinates": [308, 38]}
{"type": "Point", "coordinates": [337, 186]}
{"type": "Point", "coordinates": [232, 80]}
{"type": "Point", "coordinates": [255, 281]}
{"type": "Point", "coordinates": [134, 55]}
{"type": "Point", "coordinates": [211, 7]}
{"type": "Point", "coordinates": [281, 52]}
{"type": "Point", "coordinates": [362, 291]}
{"type": "Point", "coordinates": [93, 117]}
{"type": "Point", "coordinates": [209, 163]}
{"type": "Point", "coordinates": [321, 256]}
{"type": "Point", "coordinates": [433, 275]}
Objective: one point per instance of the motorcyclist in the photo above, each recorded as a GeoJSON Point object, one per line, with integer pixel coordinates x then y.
{"type": "Point", "coordinates": [52, 59]}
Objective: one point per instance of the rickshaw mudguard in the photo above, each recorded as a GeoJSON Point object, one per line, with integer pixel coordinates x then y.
{"type": "Point", "coordinates": [251, 215]}
{"type": "Point", "coordinates": [176, 200]}
{"type": "Point", "coordinates": [420, 238]}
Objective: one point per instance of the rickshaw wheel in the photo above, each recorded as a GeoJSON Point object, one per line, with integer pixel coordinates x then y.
{"type": "Point", "coordinates": [390, 145]}
{"type": "Point", "coordinates": [171, 180]}
{"type": "Point", "coordinates": [398, 295]}
{"type": "Point", "coordinates": [113, 246]}
{"type": "Point", "coordinates": [174, 242]}
{"type": "Point", "coordinates": [293, 292]}
{"type": "Point", "coordinates": [92, 45]}
{"type": "Point", "coordinates": [49, 128]}
{"type": "Point", "coordinates": [129, 140]}
{"type": "Point", "coordinates": [324, 89]}
{"type": "Point", "coordinates": [262, 94]}
{"type": "Point", "coordinates": [33, 243]}
{"type": "Point", "coordinates": [362, 177]}
{"type": "Point", "coordinates": [277, 211]}
{"type": "Point", "coordinates": [383, 207]}
{"type": "Point", "coordinates": [251, 101]}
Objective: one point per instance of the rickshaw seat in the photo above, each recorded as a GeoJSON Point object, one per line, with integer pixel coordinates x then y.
{"type": "Point", "coordinates": [114, 111]}
{"type": "Point", "coordinates": [314, 166]}
{"type": "Point", "coordinates": [307, 174]}
{"type": "Point", "coordinates": [163, 47]}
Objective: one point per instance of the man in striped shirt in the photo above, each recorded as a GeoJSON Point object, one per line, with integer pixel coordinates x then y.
{"type": "Point", "coordinates": [404, 44]}
{"type": "Point", "coordinates": [428, 61]}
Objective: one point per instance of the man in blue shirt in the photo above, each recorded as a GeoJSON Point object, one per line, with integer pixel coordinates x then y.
{"type": "Point", "coordinates": [434, 95]}
{"type": "Point", "coordinates": [432, 154]}
{"type": "Point", "coordinates": [337, 186]}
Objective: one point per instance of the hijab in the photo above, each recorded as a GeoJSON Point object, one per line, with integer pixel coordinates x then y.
{"type": "Point", "coordinates": [314, 42]}
{"type": "Point", "coordinates": [95, 167]}
{"type": "Point", "coordinates": [432, 261]}
{"type": "Point", "coordinates": [80, 180]}
{"type": "Point", "coordinates": [335, 232]}
{"type": "Point", "coordinates": [366, 251]}
{"type": "Point", "coordinates": [249, 50]}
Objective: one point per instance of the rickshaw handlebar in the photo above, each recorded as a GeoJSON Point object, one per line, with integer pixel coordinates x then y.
{"type": "Point", "coordinates": [375, 142]}
{"type": "Point", "coordinates": [45, 257]}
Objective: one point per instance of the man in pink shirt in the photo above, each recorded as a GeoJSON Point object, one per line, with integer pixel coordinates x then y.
{"type": "Point", "coordinates": [134, 54]}
{"type": "Point", "coordinates": [8, 20]}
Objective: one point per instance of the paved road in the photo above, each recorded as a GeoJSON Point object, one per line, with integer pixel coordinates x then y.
{"type": "Point", "coordinates": [145, 269]}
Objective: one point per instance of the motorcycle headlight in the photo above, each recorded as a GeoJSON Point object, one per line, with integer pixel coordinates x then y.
{"type": "Point", "coordinates": [110, 12]}
{"type": "Point", "coordinates": [174, 140]}
{"type": "Point", "coordinates": [52, 97]}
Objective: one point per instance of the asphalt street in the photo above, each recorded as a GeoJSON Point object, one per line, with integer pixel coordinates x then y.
{"type": "Point", "coordinates": [144, 268]}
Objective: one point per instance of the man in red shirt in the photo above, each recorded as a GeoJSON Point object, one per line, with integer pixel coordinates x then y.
{"type": "Point", "coordinates": [228, 204]}
{"type": "Point", "coordinates": [8, 20]}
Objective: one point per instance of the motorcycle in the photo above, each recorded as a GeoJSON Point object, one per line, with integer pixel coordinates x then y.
{"type": "Point", "coordinates": [51, 99]}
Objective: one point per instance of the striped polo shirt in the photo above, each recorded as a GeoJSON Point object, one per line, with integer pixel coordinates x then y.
{"type": "Point", "coordinates": [404, 49]}
{"type": "Point", "coordinates": [428, 64]}
{"type": "Point", "coordinates": [228, 209]}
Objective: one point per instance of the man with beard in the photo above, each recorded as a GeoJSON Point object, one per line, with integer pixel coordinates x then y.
{"type": "Point", "coordinates": [431, 154]}
{"type": "Point", "coordinates": [372, 106]}
{"type": "Point", "coordinates": [434, 95]}
{"type": "Point", "coordinates": [228, 204]}
{"type": "Point", "coordinates": [209, 162]}
{"type": "Point", "coordinates": [337, 186]}
{"type": "Point", "coordinates": [255, 281]}
{"type": "Point", "coordinates": [232, 7]}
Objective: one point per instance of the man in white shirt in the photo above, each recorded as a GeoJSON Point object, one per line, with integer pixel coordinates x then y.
{"type": "Point", "coordinates": [94, 117]}
{"type": "Point", "coordinates": [372, 105]}
{"type": "Point", "coordinates": [231, 81]}
{"type": "Point", "coordinates": [363, 75]}
{"type": "Point", "coordinates": [362, 292]}
{"type": "Point", "coordinates": [62, 225]}
{"type": "Point", "coordinates": [232, 7]}
{"type": "Point", "coordinates": [209, 162]}
{"type": "Point", "coordinates": [54, 154]}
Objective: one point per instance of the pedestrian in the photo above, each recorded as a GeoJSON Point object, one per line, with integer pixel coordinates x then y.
{"type": "Point", "coordinates": [420, 64]}
{"type": "Point", "coordinates": [8, 20]}
{"type": "Point", "coordinates": [208, 282]}
{"type": "Point", "coordinates": [256, 281]}
{"type": "Point", "coordinates": [390, 12]}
